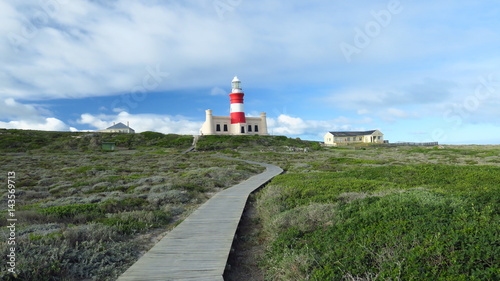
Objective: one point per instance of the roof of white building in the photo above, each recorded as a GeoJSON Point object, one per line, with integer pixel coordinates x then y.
{"type": "Point", "coordinates": [353, 133]}
{"type": "Point", "coordinates": [119, 125]}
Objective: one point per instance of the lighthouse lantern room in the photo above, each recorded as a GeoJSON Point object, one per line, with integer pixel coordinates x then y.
{"type": "Point", "coordinates": [236, 84]}
{"type": "Point", "coordinates": [237, 123]}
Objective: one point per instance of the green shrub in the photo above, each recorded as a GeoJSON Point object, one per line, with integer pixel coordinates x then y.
{"type": "Point", "coordinates": [176, 141]}
{"type": "Point", "coordinates": [127, 204]}
{"type": "Point", "coordinates": [136, 221]}
{"type": "Point", "coordinates": [89, 211]}
{"type": "Point", "coordinates": [148, 135]}
{"type": "Point", "coordinates": [340, 163]}
{"type": "Point", "coordinates": [168, 141]}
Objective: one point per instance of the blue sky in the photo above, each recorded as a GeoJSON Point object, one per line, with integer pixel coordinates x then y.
{"type": "Point", "coordinates": [416, 70]}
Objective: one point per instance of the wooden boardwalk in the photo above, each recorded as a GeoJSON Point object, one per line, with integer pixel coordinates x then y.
{"type": "Point", "coordinates": [198, 248]}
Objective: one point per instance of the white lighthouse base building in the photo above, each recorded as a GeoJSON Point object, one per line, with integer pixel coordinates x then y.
{"type": "Point", "coordinates": [221, 125]}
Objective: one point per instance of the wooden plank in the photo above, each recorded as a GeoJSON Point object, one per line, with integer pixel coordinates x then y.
{"type": "Point", "coordinates": [198, 248]}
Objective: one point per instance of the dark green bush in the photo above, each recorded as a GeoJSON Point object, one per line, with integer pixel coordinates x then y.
{"type": "Point", "coordinates": [24, 140]}
{"type": "Point", "coordinates": [412, 235]}
{"type": "Point", "coordinates": [214, 142]}
{"type": "Point", "coordinates": [148, 135]}
{"type": "Point", "coordinates": [89, 211]}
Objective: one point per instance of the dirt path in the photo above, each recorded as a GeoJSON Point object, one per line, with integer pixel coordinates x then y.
{"type": "Point", "coordinates": [247, 248]}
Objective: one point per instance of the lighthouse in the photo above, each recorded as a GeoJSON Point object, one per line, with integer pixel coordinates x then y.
{"type": "Point", "coordinates": [237, 110]}
{"type": "Point", "coordinates": [237, 123]}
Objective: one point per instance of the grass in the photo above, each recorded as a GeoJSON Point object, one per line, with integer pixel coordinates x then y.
{"type": "Point", "coordinates": [336, 214]}
{"type": "Point", "coordinates": [84, 214]}
{"type": "Point", "coordinates": [396, 216]}
{"type": "Point", "coordinates": [12, 140]}
{"type": "Point", "coordinates": [210, 143]}
{"type": "Point", "coordinates": [413, 235]}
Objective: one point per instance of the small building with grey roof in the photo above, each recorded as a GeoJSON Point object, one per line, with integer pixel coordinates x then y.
{"type": "Point", "coordinates": [119, 128]}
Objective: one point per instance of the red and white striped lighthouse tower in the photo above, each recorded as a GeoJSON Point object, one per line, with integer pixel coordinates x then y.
{"type": "Point", "coordinates": [237, 109]}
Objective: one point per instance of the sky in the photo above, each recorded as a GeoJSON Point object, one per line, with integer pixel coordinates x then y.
{"type": "Point", "coordinates": [415, 70]}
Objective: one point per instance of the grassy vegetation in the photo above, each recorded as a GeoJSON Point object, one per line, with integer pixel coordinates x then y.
{"type": "Point", "coordinates": [85, 214]}
{"type": "Point", "coordinates": [384, 214]}
{"type": "Point", "coordinates": [274, 143]}
{"type": "Point", "coordinates": [390, 213]}
{"type": "Point", "coordinates": [12, 140]}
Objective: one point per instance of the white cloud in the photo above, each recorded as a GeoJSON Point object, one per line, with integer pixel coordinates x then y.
{"type": "Point", "coordinates": [94, 48]}
{"type": "Point", "coordinates": [95, 121]}
{"type": "Point", "coordinates": [295, 126]}
{"type": "Point", "coordinates": [11, 109]}
{"type": "Point", "coordinates": [144, 122]}
{"type": "Point", "coordinates": [91, 49]}
{"type": "Point", "coordinates": [16, 115]}
{"type": "Point", "coordinates": [428, 91]}
{"type": "Point", "coordinates": [217, 91]}
{"type": "Point", "coordinates": [118, 109]}
{"type": "Point", "coordinates": [393, 114]}
{"type": "Point", "coordinates": [363, 111]}
{"type": "Point", "coordinates": [44, 124]}
{"type": "Point", "coordinates": [397, 113]}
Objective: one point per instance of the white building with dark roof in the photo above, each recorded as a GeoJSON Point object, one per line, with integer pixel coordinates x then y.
{"type": "Point", "coordinates": [348, 137]}
{"type": "Point", "coordinates": [118, 128]}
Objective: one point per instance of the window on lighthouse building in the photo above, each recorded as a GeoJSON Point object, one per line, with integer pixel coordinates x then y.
{"type": "Point", "coordinates": [217, 127]}
{"type": "Point", "coordinates": [249, 128]}
{"type": "Point", "coordinates": [225, 127]}
{"type": "Point", "coordinates": [256, 128]}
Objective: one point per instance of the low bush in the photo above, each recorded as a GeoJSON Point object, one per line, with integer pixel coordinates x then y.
{"type": "Point", "coordinates": [170, 196]}
{"type": "Point", "coordinates": [167, 141]}
{"type": "Point", "coordinates": [90, 252]}
{"type": "Point", "coordinates": [127, 204]}
{"type": "Point", "coordinates": [136, 221]}
{"type": "Point", "coordinates": [74, 213]}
